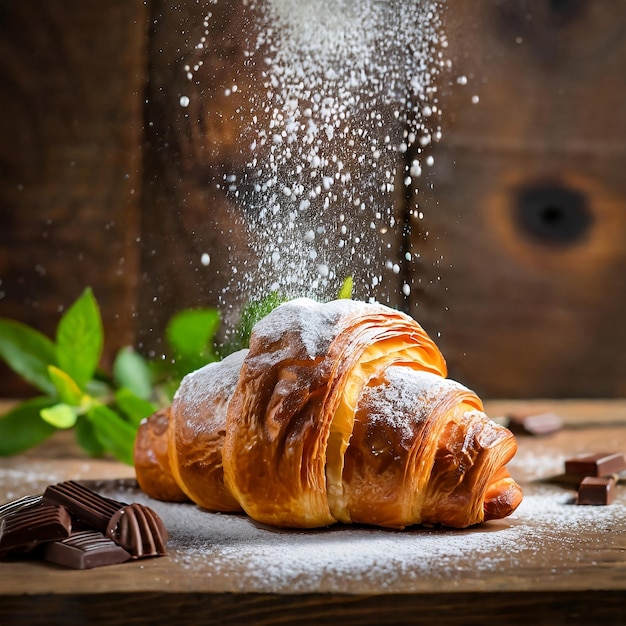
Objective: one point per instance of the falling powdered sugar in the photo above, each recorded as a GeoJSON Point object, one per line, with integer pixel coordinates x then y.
{"type": "Point", "coordinates": [340, 120]}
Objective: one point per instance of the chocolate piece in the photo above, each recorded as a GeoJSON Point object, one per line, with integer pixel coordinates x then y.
{"type": "Point", "coordinates": [595, 464]}
{"type": "Point", "coordinates": [85, 550]}
{"type": "Point", "coordinates": [6, 510]}
{"type": "Point", "coordinates": [19, 504]}
{"type": "Point", "coordinates": [139, 530]}
{"type": "Point", "coordinates": [132, 530]}
{"type": "Point", "coordinates": [87, 505]}
{"type": "Point", "coordinates": [596, 490]}
{"type": "Point", "coordinates": [25, 526]}
{"type": "Point", "coordinates": [536, 424]}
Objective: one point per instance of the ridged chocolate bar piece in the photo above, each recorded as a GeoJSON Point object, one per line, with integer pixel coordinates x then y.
{"type": "Point", "coordinates": [85, 550]}
{"type": "Point", "coordinates": [17, 505]}
{"type": "Point", "coordinates": [86, 505]}
{"type": "Point", "coordinates": [26, 523]}
{"type": "Point", "coordinates": [139, 530]}
{"type": "Point", "coordinates": [535, 424]}
{"type": "Point", "coordinates": [596, 464]}
{"type": "Point", "coordinates": [596, 490]}
{"type": "Point", "coordinates": [110, 531]}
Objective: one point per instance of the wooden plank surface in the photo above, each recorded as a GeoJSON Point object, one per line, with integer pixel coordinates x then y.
{"type": "Point", "coordinates": [551, 556]}
{"type": "Point", "coordinates": [529, 308]}
{"type": "Point", "coordinates": [71, 98]}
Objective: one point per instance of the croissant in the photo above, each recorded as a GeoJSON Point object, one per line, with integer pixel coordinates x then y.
{"type": "Point", "coordinates": [338, 412]}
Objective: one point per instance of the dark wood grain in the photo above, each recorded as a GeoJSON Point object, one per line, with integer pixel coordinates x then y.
{"type": "Point", "coordinates": [189, 152]}
{"type": "Point", "coordinates": [71, 83]}
{"type": "Point", "coordinates": [521, 314]}
{"type": "Point", "coordinates": [105, 180]}
{"type": "Point", "coordinates": [516, 609]}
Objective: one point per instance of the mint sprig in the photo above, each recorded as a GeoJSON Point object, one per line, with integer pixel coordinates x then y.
{"type": "Point", "coordinates": [105, 410]}
{"type": "Point", "coordinates": [79, 339]}
{"type": "Point", "coordinates": [347, 287]}
{"type": "Point", "coordinates": [191, 335]}
{"type": "Point", "coordinates": [104, 413]}
{"type": "Point", "coordinates": [251, 313]}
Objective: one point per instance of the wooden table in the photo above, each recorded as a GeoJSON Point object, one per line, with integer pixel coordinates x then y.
{"type": "Point", "coordinates": [551, 562]}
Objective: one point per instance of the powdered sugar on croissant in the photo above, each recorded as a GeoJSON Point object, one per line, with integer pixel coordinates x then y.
{"type": "Point", "coordinates": [339, 412]}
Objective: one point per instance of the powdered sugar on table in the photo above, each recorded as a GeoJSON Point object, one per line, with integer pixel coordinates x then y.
{"type": "Point", "coordinates": [232, 553]}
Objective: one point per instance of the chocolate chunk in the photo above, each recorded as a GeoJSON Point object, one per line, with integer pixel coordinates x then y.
{"type": "Point", "coordinates": [139, 530]}
{"type": "Point", "coordinates": [86, 505]}
{"type": "Point", "coordinates": [595, 464]}
{"type": "Point", "coordinates": [18, 505]}
{"type": "Point", "coordinates": [28, 522]}
{"type": "Point", "coordinates": [536, 424]}
{"type": "Point", "coordinates": [85, 550]}
{"type": "Point", "coordinates": [596, 490]}
{"type": "Point", "coordinates": [105, 531]}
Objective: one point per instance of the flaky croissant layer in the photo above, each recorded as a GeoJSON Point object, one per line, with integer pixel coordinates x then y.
{"type": "Point", "coordinates": [338, 412]}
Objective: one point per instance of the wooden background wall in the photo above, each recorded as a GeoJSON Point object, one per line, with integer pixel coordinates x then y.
{"type": "Point", "coordinates": [105, 181]}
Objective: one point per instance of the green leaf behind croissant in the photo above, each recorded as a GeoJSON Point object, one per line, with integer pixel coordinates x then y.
{"type": "Point", "coordinates": [28, 353]}
{"type": "Point", "coordinates": [80, 339]}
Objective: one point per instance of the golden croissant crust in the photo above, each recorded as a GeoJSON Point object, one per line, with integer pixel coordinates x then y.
{"type": "Point", "coordinates": [338, 412]}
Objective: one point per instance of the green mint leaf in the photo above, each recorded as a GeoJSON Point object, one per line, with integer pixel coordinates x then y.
{"type": "Point", "coordinates": [22, 428]}
{"type": "Point", "coordinates": [134, 407]}
{"type": "Point", "coordinates": [67, 389]}
{"type": "Point", "coordinates": [191, 334]}
{"type": "Point", "coordinates": [97, 388]}
{"type": "Point", "coordinates": [60, 415]}
{"type": "Point", "coordinates": [345, 293]}
{"type": "Point", "coordinates": [80, 339]}
{"type": "Point", "coordinates": [87, 438]}
{"type": "Point", "coordinates": [115, 434]}
{"type": "Point", "coordinates": [131, 370]}
{"type": "Point", "coordinates": [28, 353]}
{"type": "Point", "coordinates": [254, 311]}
